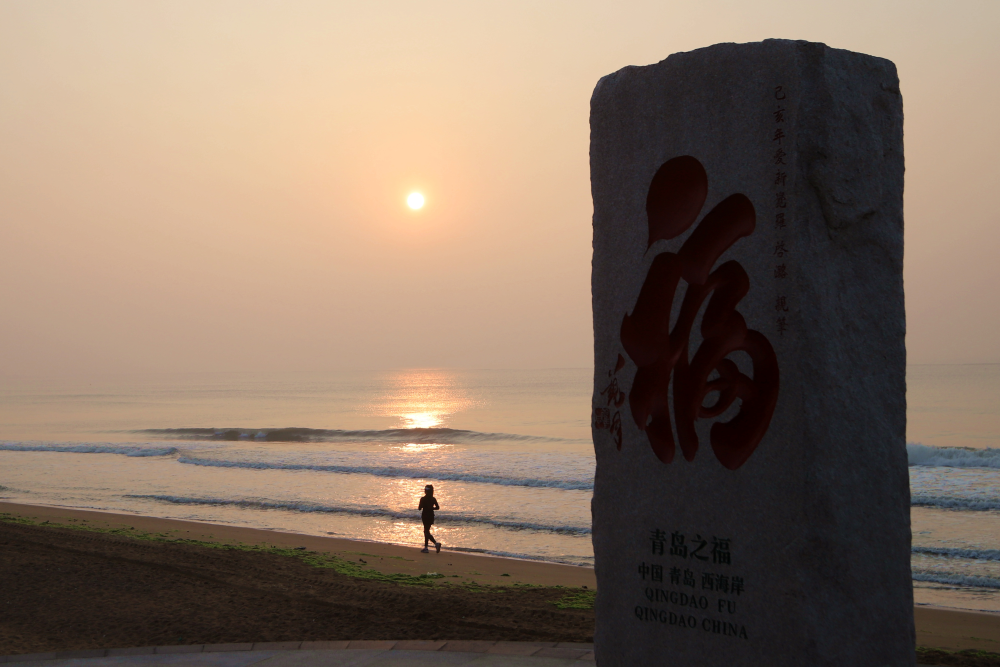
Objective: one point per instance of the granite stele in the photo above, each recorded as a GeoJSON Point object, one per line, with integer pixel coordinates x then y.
{"type": "Point", "coordinates": [751, 503]}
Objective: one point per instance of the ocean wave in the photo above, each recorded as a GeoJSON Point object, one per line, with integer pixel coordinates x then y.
{"type": "Point", "coordinates": [263, 504]}
{"type": "Point", "coordinates": [87, 448]}
{"type": "Point", "coordinates": [952, 457]}
{"type": "Point", "coordinates": [972, 554]}
{"type": "Point", "coordinates": [951, 503]}
{"type": "Point", "coordinates": [423, 436]}
{"type": "Point", "coordinates": [956, 579]}
{"type": "Point", "coordinates": [397, 472]}
{"type": "Point", "coordinates": [579, 561]}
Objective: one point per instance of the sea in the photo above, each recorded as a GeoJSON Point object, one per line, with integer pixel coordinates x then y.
{"type": "Point", "coordinates": [509, 452]}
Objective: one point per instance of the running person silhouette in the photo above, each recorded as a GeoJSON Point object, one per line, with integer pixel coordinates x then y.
{"type": "Point", "coordinates": [427, 506]}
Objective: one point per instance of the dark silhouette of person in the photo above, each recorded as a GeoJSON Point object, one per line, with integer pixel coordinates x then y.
{"type": "Point", "coordinates": [427, 506]}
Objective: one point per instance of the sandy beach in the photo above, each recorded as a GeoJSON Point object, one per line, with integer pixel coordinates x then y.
{"type": "Point", "coordinates": [386, 558]}
{"type": "Point", "coordinates": [97, 580]}
{"type": "Point", "coordinates": [89, 579]}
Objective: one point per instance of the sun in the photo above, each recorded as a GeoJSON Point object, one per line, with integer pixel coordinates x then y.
{"type": "Point", "coordinates": [415, 200]}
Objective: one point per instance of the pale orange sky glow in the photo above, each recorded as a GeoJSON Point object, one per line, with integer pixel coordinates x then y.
{"type": "Point", "coordinates": [223, 185]}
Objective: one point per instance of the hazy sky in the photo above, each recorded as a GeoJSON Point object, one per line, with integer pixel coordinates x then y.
{"type": "Point", "coordinates": [221, 185]}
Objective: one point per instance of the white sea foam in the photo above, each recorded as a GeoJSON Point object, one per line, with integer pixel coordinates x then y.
{"type": "Point", "coordinates": [396, 472]}
{"type": "Point", "coordinates": [971, 554]}
{"type": "Point", "coordinates": [956, 579]}
{"type": "Point", "coordinates": [973, 504]}
{"type": "Point", "coordinates": [87, 448]}
{"type": "Point", "coordinates": [522, 556]}
{"type": "Point", "coordinates": [265, 504]}
{"type": "Point", "coordinates": [952, 457]}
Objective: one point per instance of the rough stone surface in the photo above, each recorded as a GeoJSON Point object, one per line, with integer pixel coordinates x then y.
{"type": "Point", "coordinates": [805, 491]}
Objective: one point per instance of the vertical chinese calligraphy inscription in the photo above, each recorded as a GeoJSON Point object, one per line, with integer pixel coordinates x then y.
{"type": "Point", "coordinates": [747, 294]}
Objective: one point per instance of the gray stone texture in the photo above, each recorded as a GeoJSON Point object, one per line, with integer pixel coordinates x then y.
{"type": "Point", "coordinates": [817, 513]}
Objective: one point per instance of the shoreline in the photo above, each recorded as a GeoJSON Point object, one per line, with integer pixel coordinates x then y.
{"type": "Point", "coordinates": [381, 556]}
{"type": "Point", "coordinates": [936, 626]}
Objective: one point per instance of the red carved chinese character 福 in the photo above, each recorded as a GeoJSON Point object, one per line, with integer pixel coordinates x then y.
{"type": "Point", "coordinates": [676, 196]}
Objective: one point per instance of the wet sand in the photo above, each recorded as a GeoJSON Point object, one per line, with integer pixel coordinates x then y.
{"type": "Point", "coordinates": [65, 588]}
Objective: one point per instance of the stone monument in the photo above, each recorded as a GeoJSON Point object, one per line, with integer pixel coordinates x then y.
{"type": "Point", "coordinates": [751, 501]}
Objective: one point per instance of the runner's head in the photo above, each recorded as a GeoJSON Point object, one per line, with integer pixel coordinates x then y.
{"type": "Point", "coordinates": [429, 489]}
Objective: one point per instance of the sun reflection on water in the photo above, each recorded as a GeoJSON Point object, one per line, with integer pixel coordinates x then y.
{"type": "Point", "coordinates": [420, 447]}
{"type": "Point", "coordinates": [422, 399]}
{"type": "Point", "coordinates": [422, 420]}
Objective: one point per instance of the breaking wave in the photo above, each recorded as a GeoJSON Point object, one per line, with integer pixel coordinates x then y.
{"type": "Point", "coordinates": [972, 554]}
{"type": "Point", "coordinates": [126, 450]}
{"type": "Point", "coordinates": [397, 472]}
{"type": "Point", "coordinates": [362, 511]}
{"type": "Point", "coordinates": [956, 579]}
{"type": "Point", "coordinates": [952, 457]}
{"type": "Point", "coordinates": [424, 436]}
{"type": "Point", "coordinates": [950, 503]}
